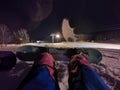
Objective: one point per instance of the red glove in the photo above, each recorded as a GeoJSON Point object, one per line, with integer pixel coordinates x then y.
{"type": "Point", "coordinates": [82, 59]}
{"type": "Point", "coordinates": [77, 59]}
{"type": "Point", "coordinates": [47, 59]}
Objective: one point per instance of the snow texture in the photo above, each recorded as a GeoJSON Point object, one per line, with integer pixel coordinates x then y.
{"type": "Point", "coordinates": [108, 69]}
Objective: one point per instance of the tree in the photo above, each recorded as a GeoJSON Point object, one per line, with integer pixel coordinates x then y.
{"type": "Point", "coordinates": [5, 34]}
{"type": "Point", "coordinates": [21, 36]}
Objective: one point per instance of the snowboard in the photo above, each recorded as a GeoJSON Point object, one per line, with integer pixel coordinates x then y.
{"type": "Point", "coordinates": [34, 52]}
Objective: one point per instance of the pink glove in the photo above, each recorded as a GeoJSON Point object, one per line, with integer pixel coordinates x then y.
{"type": "Point", "coordinates": [47, 59]}
{"type": "Point", "coordinates": [77, 59]}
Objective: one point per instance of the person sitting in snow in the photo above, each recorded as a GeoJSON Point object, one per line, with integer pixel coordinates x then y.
{"type": "Point", "coordinates": [42, 76]}
{"type": "Point", "coordinates": [81, 75]}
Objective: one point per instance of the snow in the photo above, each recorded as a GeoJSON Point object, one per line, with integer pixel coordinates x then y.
{"type": "Point", "coordinates": [78, 45]}
{"type": "Point", "coordinates": [108, 69]}
{"type": "Point", "coordinates": [9, 80]}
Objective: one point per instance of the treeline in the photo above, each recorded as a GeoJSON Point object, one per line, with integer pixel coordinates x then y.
{"type": "Point", "coordinates": [15, 37]}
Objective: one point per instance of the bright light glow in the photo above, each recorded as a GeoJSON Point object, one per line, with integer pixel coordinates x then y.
{"type": "Point", "coordinates": [57, 36]}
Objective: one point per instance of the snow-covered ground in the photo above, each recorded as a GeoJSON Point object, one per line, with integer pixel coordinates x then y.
{"type": "Point", "coordinates": [78, 45]}
{"type": "Point", "coordinates": [108, 69]}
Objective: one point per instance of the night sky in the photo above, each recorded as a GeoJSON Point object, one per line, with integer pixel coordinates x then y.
{"type": "Point", "coordinates": [42, 17]}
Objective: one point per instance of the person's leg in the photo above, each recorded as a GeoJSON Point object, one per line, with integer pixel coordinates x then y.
{"type": "Point", "coordinates": [42, 75]}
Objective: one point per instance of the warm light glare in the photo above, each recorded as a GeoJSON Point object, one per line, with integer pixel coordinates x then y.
{"type": "Point", "coordinates": [57, 36]}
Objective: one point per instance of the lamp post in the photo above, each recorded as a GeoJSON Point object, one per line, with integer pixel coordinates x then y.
{"type": "Point", "coordinates": [53, 37]}
{"type": "Point", "coordinates": [57, 37]}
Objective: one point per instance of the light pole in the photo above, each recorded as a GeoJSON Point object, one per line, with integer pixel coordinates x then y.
{"type": "Point", "coordinates": [57, 36]}
{"type": "Point", "coordinates": [53, 37]}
